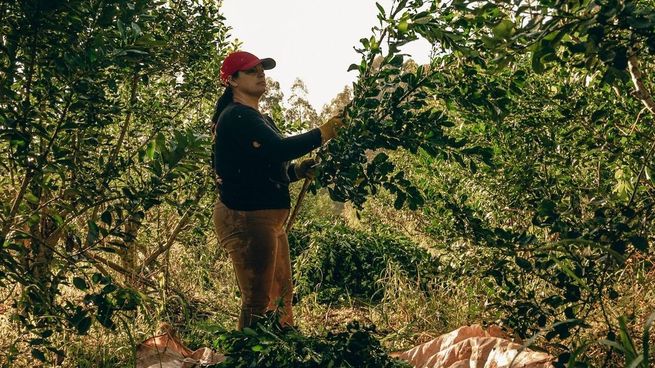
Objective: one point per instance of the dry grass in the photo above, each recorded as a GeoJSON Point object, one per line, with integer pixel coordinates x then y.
{"type": "Point", "coordinates": [405, 317]}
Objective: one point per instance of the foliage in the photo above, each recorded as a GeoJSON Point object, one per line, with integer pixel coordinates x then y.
{"type": "Point", "coordinates": [300, 115]}
{"type": "Point", "coordinates": [535, 217]}
{"type": "Point", "coordinates": [294, 116]}
{"type": "Point", "coordinates": [523, 152]}
{"type": "Point", "coordinates": [624, 345]}
{"type": "Point", "coordinates": [627, 347]}
{"type": "Point", "coordinates": [271, 103]}
{"type": "Point", "coordinates": [338, 262]}
{"type": "Point", "coordinates": [97, 131]}
{"type": "Point", "coordinates": [390, 110]}
{"type": "Point", "coordinates": [547, 95]}
{"type": "Point", "coordinates": [268, 345]}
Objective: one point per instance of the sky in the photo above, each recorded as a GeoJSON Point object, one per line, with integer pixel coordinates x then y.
{"type": "Point", "coordinates": [309, 39]}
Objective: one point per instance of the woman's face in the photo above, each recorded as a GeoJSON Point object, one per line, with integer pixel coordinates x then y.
{"type": "Point", "coordinates": [251, 81]}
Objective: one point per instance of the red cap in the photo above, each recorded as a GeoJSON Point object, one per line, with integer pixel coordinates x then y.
{"type": "Point", "coordinates": [241, 60]}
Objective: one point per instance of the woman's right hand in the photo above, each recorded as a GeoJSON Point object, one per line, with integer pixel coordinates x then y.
{"type": "Point", "coordinates": [329, 128]}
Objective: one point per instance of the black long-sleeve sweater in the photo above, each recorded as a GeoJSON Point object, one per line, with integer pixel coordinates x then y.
{"type": "Point", "coordinates": [251, 159]}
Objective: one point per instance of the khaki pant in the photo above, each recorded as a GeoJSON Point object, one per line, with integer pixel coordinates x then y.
{"type": "Point", "coordinates": [259, 249]}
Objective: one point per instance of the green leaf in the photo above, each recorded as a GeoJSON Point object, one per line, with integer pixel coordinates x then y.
{"type": "Point", "coordinates": [161, 140]}
{"type": "Point", "coordinates": [639, 242]}
{"type": "Point", "coordinates": [523, 263]}
{"type": "Point", "coordinates": [80, 283]}
{"type": "Point", "coordinates": [626, 340]}
{"type": "Point", "coordinates": [577, 48]}
{"type": "Point", "coordinates": [641, 22]}
{"type": "Point", "coordinates": [38, 354]}
{"type": "Point", "coordinates": [537, 65]}
{"type": "Point", "coordinates": [31, 198]}
{"type": "Point", "coordinates": [400, 200]}
{"type": "Point", "coordinates": [422, 20]}
{"type": "Point", "coordinates": [381, 9]}
{"type": "Point", "coordinates": [136, 29]}
{"type": "Point", "coordinates": [613, 344]}
{"type": "Point", "coordinates": [380, 158]}
{"type": "Point", "coordinates": [37, 341]}
{"type": "Point", "coordinates": [57, 218]}
{"type": "Point", "coordinates": [150, 150]}
{"type": "Point", "coordinates": [503, 30]}
{"type": "Point", "coordinates": [637, 362]}
{"type": "Point", "coordinates": [397, 60]}
{"type": "Point", "coordinates": [108, 289]}
{"type": "Point", "coordinates": [106, 217]}
{"type": "Point", "coordinates": [135, 51]}
{"type": "Point", "coordinates": [84, 325]}
{"type": "Point", "coordinates": [93, 232]}
{"type": "Point", "coordinates": [473, 167]}
{"type": "Point", "coordinates": [598, 114]}
{"type": "Point", "coordinates": [547, 208]}
{"type": "Point", "coordinates": [121, 26]}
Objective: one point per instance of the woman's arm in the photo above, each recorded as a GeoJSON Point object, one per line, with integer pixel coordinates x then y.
{"type": "Point", "coordinates": [265, 141]}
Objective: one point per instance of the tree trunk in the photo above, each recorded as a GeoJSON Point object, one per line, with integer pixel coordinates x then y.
{"type": "Point", "coordinates": [129, 249]}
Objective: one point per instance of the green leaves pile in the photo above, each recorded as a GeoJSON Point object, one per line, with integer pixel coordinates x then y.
{"type": "Point", "coordinates": [267, 345]}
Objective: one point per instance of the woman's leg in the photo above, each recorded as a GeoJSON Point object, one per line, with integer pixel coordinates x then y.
{"type": "Point", "coordinates": [252, 246]}
{"type": "Point", "coordinates": [282, 290]}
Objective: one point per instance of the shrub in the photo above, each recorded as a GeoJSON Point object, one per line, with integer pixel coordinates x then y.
{"type": "Point", "coordinates": [335, 261]}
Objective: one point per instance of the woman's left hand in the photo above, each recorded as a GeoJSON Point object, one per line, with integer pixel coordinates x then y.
{"type": "Point", "coordinates": [305, 169]}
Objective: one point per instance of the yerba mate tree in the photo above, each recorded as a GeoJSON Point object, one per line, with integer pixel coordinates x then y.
{"type": "Point", "coordinates": [391, 109]}
{"type": "Point", "coordinates": [102, 122]}
{"type": "Point", "coordinates": [554, 98]}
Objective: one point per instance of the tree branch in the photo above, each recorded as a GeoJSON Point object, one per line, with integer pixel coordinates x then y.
{"type": "Point", "coordinates": [176, 231]}
{"type": "Point", "coordinates": [641, 92]}
{"type": "Point", "coordinates": [296, 208]}
{"type": "Point", "coordinates": [14, 207]}
{"type": "Point", "coordinates": [128, 118]}
{"type": "Point", "coordinates": [62, 119]}
{"type": "Point", "coordinates": [119, 269]}
{"type": "Point", "coordinates": [29, 173]}
{"type": "Point", "coordinates": [641, 173]}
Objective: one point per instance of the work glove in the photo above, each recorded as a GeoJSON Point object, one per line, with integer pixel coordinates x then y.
{"type": "Point", "coordinates": [329, 128]}
{"type": "Point", "coordinates": [305, 169]}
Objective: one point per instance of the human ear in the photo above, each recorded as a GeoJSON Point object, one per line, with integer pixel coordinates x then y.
{"type": "Point", "coordinates": [231, 82]}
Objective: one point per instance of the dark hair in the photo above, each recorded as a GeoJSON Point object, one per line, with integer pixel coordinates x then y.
{"type": "Point", "coordinates": [226, 98]}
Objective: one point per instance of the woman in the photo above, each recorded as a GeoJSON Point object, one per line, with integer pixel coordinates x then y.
{"type": "Point", "coordinates": [251, 161]}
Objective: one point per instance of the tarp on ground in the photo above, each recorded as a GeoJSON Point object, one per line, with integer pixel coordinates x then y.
{"type": "Point", "coordinates": [473, 346]}
{"type": "Point", "coordinates": [167, 351]}
{"type": "Point", "coordinates": [466, 347]}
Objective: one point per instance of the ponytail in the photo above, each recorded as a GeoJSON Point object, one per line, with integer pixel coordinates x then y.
{"type": "Point", "coordinates": [226, 98]}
